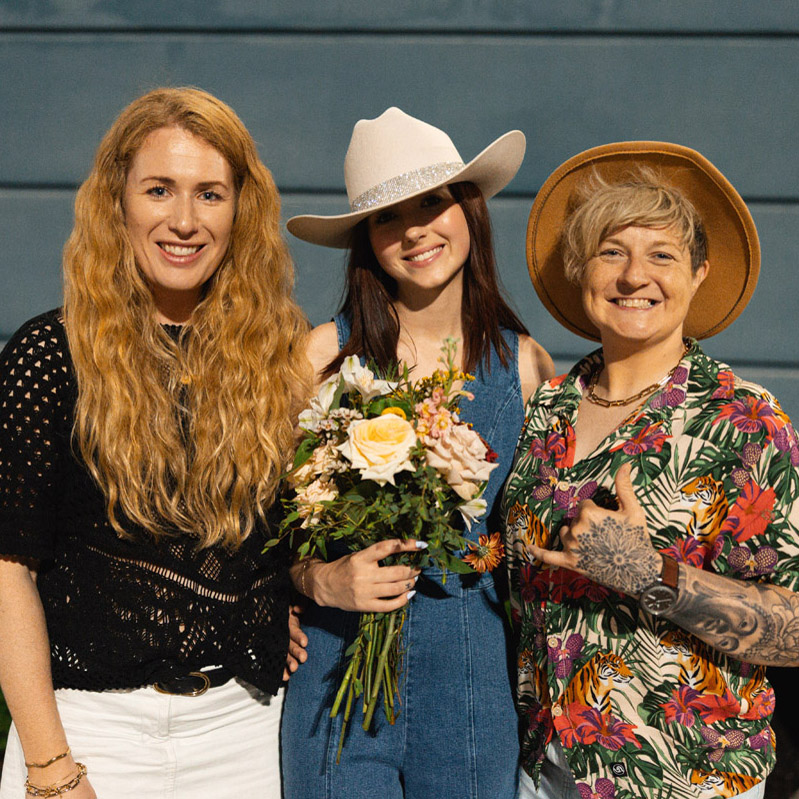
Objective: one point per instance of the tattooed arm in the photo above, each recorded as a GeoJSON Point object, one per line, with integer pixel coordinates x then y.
{"type": "Point", "coordinates": [747, 621]}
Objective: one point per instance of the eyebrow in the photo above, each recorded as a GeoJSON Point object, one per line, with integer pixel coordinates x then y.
{"type": "Point", "coordinates": [206, 184]}
{"type": "Point", "coordinates": [658, 243]}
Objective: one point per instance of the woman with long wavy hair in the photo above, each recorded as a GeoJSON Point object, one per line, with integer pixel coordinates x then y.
{"type": "Point", "coordinates": [421, 269]}
{"type": "Point", "coordinates": [143, 429]}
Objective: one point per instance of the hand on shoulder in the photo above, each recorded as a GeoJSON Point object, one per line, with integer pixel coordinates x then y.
{"type": "Point", "coordinates": [535, 365]}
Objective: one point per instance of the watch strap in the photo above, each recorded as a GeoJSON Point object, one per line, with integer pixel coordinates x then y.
{"type": "Point", "coordinates": [670, 575]}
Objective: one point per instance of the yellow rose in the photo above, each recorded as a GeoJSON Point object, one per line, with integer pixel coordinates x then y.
{"type": "Point", "coordinates": [380, 447]}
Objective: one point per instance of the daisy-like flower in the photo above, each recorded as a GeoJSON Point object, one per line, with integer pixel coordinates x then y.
{"type": "Point", "coordinates": [486, 555]}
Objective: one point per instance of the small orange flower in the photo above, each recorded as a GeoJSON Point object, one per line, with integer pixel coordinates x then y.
{"type": "Point", "coordinates": [486, 555]}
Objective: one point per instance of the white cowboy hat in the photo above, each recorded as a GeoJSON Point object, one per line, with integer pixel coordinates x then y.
{"type": "Point", "coordinates": [395, 157]}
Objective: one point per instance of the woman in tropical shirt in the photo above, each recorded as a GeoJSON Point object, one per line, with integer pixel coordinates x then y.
{"type": "Point", "coordinates": [650, 507]}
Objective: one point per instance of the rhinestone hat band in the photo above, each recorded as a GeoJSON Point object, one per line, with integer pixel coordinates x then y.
{"type": "Point", "coordinates": [395, 189]}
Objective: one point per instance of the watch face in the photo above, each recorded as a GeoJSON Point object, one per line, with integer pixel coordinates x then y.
{"type": "Point", "coordinates": [658, 598]}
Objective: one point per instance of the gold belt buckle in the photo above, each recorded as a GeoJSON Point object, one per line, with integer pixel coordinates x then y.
{"type": "Point", "coordinates": [195, 692]}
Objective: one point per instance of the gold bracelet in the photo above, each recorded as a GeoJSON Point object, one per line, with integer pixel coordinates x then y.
{"type": "Point", "coordinates": [55, 789]}
{"type": "Point", "coordinates": [49, 762]}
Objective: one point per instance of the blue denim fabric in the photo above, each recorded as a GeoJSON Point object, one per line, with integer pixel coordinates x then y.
{"type": "Point", "coordinates": [456, 736]}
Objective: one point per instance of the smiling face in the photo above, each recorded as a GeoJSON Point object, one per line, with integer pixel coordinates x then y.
{"type": "Point", "coordinates": [179, 205]}
{"type": "Point", "coordinates": [638, 286]}
{"type": "Point", "coordinates": [422, 243]}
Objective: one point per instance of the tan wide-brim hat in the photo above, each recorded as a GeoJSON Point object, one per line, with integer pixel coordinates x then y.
{"type": "Point", "coordinates": [395, 157]}
{"type": "Point", "coordinates": [732, 242]}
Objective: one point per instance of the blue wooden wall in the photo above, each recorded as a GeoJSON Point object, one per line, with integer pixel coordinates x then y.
{"type": "Point", "coordinates": [718, 75]}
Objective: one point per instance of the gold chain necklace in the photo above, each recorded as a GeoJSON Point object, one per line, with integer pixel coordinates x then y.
{"type": "Point", "coordinates": [606, 403]}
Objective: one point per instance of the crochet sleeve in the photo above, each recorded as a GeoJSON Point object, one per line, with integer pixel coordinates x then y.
{"type": "Point", "coordinates": [34, 435]}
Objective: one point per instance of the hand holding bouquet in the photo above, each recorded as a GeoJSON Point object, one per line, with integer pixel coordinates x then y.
{"type": "Point", "coordinates": [393, 462]}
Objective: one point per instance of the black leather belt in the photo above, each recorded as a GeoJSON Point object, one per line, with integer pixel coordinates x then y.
{"type": "Point", "coordinates": [195, 683]}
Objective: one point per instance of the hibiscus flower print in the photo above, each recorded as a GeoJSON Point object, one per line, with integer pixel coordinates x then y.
{"type": "Point", "coordinates": [605, 730]}
{"type": "Point", "coordinates": [558, 447]}
{"type": "Point", "coordinates": [750, 415]}
{"type": "Point", "coordinates": [681, 707]}
{"type": "Point", "coordinates": [648, 437]}
{"type": "Point", "coordinates": [687, 550]}
{"type": "Point", "coordinates": [726, 387]}
{"type": "Point", "coordinates": [751, 513]}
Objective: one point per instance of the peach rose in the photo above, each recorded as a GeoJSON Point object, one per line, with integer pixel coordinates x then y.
{"type": "Point", "coordinates": [459, 455]}
{"type": "Point", "coordinates": [380, 447]}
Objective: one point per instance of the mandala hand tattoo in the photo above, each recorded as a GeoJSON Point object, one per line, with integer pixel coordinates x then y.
{"type": "Point", "coordinates": [619, 555]}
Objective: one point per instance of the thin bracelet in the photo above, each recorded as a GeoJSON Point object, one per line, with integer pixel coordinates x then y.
{"type": "Point", "coordinates": [49, 762]}
{"type": "Point", "coordinates": [306, 564]}
{"type": "Point", "coordinates": [55, 789]}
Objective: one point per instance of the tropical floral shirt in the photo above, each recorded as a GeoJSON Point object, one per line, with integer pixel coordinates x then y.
{"type": "Point", "coordinates": [641, 707]}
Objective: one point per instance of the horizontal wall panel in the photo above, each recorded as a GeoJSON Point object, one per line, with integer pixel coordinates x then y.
{"type": "Point", "coordinates": [406, 15]}
{"type": "Point", "coordinates": [735, 100]}
{"type": "Point", "coordinates": [35, 224]}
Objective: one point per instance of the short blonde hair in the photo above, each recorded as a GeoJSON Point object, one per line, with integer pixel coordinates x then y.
{"type": "Point", "coordinates": [641, 199]}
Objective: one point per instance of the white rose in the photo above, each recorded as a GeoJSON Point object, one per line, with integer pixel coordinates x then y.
{"type": "Point", "coordinates": [359, 378]}
{"type": "Point", "coordinates": [380, 447]}
{"type": "Point", "coordinates": [459, 456]}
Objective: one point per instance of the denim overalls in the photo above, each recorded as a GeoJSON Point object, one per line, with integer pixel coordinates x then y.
{"type": "Point", "coordinates": [456, 736]}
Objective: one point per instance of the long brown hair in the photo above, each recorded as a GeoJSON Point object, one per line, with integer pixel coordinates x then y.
{"type": "Point", "coordinates": [369, 295]}
{"type": "Point", "coordinates": [188, 435]}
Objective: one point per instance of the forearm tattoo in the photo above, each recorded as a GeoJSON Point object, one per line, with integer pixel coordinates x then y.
{"type": "Point", "coordinates": [619, 555]}
{"type": "Point", "coordinates": [748, 621]}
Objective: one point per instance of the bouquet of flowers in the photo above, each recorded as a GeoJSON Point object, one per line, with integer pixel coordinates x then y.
{"type": "Point", "coordinates": [392, 461]}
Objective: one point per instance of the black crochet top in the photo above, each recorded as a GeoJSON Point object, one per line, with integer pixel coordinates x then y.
{"type": "Point", "coordinates": [120, 613]}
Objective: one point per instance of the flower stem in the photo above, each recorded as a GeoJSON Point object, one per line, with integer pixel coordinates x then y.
{"type": "Point", "coordinates": [381, 666]}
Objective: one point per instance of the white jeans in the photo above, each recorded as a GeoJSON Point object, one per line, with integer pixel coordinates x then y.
{"type": "Point", "coordinates": [557, 781]}
{"type": "Point", "coordinates": [139, 743]}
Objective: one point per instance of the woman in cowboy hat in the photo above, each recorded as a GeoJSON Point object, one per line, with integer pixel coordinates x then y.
{"type": "Point", "coordinates": [648, 617]}
{"type": "Point", "coordinates": [421, 269]}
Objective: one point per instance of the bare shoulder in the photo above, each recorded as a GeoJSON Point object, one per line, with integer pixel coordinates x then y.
{"type": "Point", "coordinates": [322, 346]}
{"type": "Point", "coordinates": [535, 365]}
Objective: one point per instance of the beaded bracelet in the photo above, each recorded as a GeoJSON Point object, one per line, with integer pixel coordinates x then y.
{"type": "Point", "coordinates": [55, 789]}
{"type": "Point", "coordinates": [49, 762]}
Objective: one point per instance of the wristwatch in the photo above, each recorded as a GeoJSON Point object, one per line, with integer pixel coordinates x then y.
{"type": "Point", "coordinates": [660, 597]}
